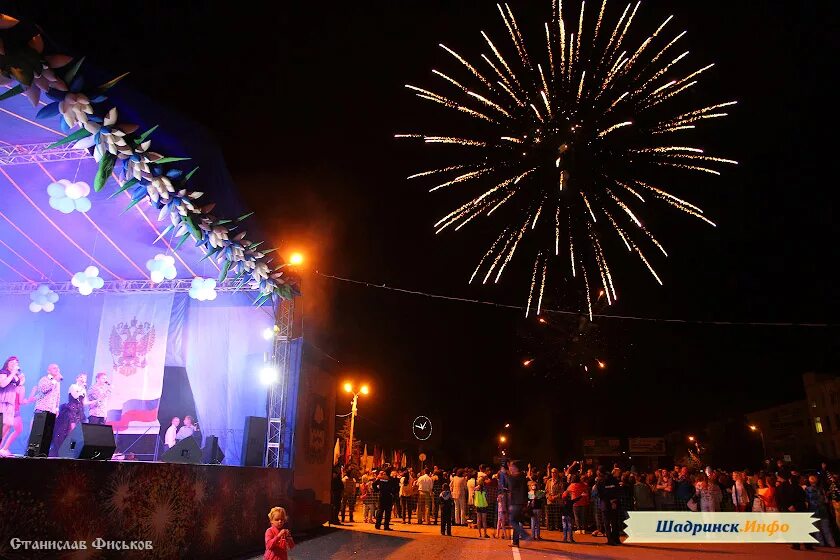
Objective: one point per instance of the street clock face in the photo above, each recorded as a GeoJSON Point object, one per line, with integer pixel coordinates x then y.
{"type": "Point", "coordinates": [422, 428]}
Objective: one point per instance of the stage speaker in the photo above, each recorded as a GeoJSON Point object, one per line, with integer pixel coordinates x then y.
{"type": "Point", "coordinates": [253, 441]}
{"type": "Point", "coordinates": [41, 434]}
{"type": "Point", "coordinates": [89, 441]}
{"type": "Point", "coordinates": [185, 451]}
{"type": "Point", "coordinates": [212, 453]}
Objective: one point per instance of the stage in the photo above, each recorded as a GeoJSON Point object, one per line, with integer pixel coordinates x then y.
{"type": "Point", "coordinates": [183, 511]}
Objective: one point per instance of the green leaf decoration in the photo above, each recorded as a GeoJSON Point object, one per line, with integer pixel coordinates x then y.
{"type": "Point", "coordinates": [181, 241]}
{"type": "Point", "coordinates": [71, 73]}
{"type": "Point", "coordinates": [74, 137]}
{"type": "Point", "coordinates": [223, 272]}
{"type": "Point", "coordinates": [142, 137]}
{"type": "Point", "coordinates": [196, 233]}
{"type": "Point", "coordinates": [170, 160]}
{"type": "Point", "coordinates": [127, 185]}
{"type": "Point", "coordinates": [244, 216]}
{"type": "Point", "coordinates": [134, 202]}
{"type": "Point", "coordinates": [106, 166]}
{"type": "Point", "coordinates": [112, 83]}
{"type": "Point", "coordinates": [11, 93]}
{"type": "Point", "coordinates": [190, 174]}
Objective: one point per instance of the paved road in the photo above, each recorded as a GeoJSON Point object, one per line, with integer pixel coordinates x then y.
{"type": "Point", "coordinates": [361, 541]}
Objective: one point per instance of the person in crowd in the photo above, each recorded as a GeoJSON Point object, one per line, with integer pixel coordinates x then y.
{"type": "Point", "coordinates": [189, 429]}
{"type": "Point", "coordinates": [408, 486]}
{"type": "Point", "coordinates": [336, 491]}
{"type": "Point", "coordinates": [169, 440]}
{"type": "Point", "coordinates": [580, 496]}
{"type": "Point", "coordinates": [278, 539]}
{"type": "Point", "coordinates": [471, 477]}
{"type": "Point", "coordinates": [791, 498]}
{"type": "Point", "coordinates": [366, 496]}
{"type": "Point", "coordinates": [437, 488]}
{"type": "Point", "coordinates": [501, 511]}
{"type": "Point", "coordinates": [818, 505]}
{"type": "Point", "coordinates": [425, 486]}
{"type": "Point", "coordinates": [833, 495]}
{"type": "Point", "coordinates": [447, 504]}
{"type": "Point", "coordinates": [387, 486]}
{"type": "Point", "coordinates": [742, 493]}
{"type": "Point", "coordinates": [517, 501]}
{"type": "Point", "coordinates": [536, 504]}
{"type": "Point", "coordinates": [609, 494]}
{"type": "Point", "coordinates": [15, 386]}
{"type": "Point", "coordinates": [98, 399]}
{"type": "Point", "coordinates": [567, 512]}
{"type": "Point", "coordinates": [643, 493]}
{"type": "Point", "coordinates": [348, 495]}
{"type": "Point", "coordinates": [459, 493]}
{"type": "Point", "coordinates": [553, 496]}
{"type": "Point", "coordinates": [71, 413]}
{"type": "Point", "coordinates": [481, 507]}
{"type": "Point", "coordinates": [600, 530]}
{"type": "Point", "coordinates": [683, 489]}
{"type": "Point", "coordinates": [708, 493]}
{"type": "Point", "coordinates": [664, 496]}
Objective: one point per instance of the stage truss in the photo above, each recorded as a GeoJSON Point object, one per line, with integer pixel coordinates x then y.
{"type": "Point", "coordinates": [22, 154]}
{"type": "Point", "coordinates": [277, 455]}
{"type": "Point", "coordinates": [119, 286]}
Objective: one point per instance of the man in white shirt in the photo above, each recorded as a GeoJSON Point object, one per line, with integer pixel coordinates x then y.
{"type": "Point", "coordinates": [424, 501]}
{"type": "Point", "coordinates": [169, 439]}
{"type": "Point", "coordinates": [187, 430]}
{"type": "Point", "coordinates": [48, 391]}
{"type": "Point", "coordinates": [459, 494]}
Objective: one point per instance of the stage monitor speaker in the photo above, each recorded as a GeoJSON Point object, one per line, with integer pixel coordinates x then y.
{"type": "Point", "coordinates": [41, 434]}
{"type": "Point", "coordinates": [89, 441]}
{"type": "Point", "coordinates": [212, 453]}
{"type": "Point", "coordinates": [253, 441]}
{"type": "Point", "coordinates": [185, 451]}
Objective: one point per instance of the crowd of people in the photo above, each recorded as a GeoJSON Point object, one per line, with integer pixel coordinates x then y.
{"type": "Point", "coordinates": [580, 498]}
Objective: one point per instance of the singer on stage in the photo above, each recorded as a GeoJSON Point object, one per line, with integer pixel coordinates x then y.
{"type": "Point", "coordinates": [10, 379]}
{"type": "Point", "coordinates": [98, 399]}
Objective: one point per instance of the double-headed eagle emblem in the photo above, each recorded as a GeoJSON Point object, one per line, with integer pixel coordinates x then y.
{"type": "Point", "coordinates": [129, 345]}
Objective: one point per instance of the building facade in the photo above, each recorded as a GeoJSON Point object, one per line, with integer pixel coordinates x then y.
{"type": "Point", "coordinates": [822, 397]}
{"type": "Point", "coordinates": [787, 430]}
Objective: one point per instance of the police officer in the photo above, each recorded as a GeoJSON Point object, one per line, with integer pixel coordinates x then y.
{"type": "Point", "coordinates": [609, 494]}
{"type": "Point", "coordinates": [388, 487]}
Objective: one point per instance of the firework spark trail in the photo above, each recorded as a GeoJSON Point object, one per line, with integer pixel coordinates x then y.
{"type": "Point", "coordinates": [583, 117]}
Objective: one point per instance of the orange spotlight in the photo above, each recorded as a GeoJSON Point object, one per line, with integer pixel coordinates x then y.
{"type": "Point", "coordinates": [296, 259]}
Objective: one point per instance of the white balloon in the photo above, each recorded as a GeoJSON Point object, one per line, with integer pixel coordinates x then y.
{"type": "Point", "coordinates": [65, 205]}
{"type": "Point", "coordinates": [211, 295]}
{"type": "Point", "coordinates": [43, 289]}
{"type": "Point", "coordinates": [34, 307]}
{"type": "Point", "coordinates": [48, 307]}
{"type": "Point", "coordinates": [97, 282]}
{"type": "Point", "coordinates": [91, 271]}
{"type": "Point", "coordinates": [157, 276]}
{"type": "Point", "coordinates": [52, 297]}
{"type": "Point", "coordinates": [82, 204]}
{"type": "Point", "coordinates": [85, 289]}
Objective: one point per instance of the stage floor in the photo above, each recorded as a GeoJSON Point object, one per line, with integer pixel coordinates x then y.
{"type": "Point", "coordinates": [180, 511]}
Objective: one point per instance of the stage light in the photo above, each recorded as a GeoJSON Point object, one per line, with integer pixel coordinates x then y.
{"type": "Point", "coordinates": [601, 364]}
{"type": "Point", "coordinates": [691, 438]}
{"type": "Point", "coordinates": [753, 427]}
{"type": "Point", "coordinates": [527, 362]}
{"type": "Point", "coordinates": [502, 439]}
{"type": "Point", "coordinates": [296, 259]}
{"type": "Point", "coordinates": [507, 425]}
{"type": "Point", "coordinates": [268, 333]}
{"type": "Point", "coordinates": [365, 390]}
{"type": "Point", "coordinates": [348, 387]}
{"type": "Point", "coordinates": [269, 375]}
{"type": "Point", "coordinates": [542, 320]}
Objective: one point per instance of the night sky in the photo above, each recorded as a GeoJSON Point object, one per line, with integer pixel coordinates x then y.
{"type": "Point", "coordinates": [305, 98]}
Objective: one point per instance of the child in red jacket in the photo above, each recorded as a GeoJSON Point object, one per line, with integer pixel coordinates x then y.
{"type": "Point", "coordinates": [278, 541]}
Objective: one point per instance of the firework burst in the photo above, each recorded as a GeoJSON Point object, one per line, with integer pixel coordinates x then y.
{"type": "Point", "coordinates": [572, 135]}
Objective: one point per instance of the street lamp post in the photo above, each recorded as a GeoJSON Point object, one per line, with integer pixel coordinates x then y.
{"type": "Point", "coordinates": [348, 387]}
{"type": "Point", "coordinates": [755, 428]}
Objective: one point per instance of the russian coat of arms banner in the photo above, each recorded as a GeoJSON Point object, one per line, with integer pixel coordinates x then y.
{"type": "Point", "coordinates": [132, 350]}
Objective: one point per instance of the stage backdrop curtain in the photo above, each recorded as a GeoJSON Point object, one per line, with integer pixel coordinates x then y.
{"type": "Point", "coordinates": [223, 350]}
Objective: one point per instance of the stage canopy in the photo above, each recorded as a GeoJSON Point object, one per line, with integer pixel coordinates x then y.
{"type": "Point", "coordinates": [172, 345]}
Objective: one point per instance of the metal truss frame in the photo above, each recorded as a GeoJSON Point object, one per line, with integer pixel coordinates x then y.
{"type": "Point", "coordinates": [22, 154]}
